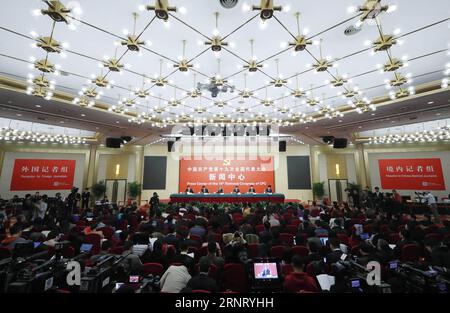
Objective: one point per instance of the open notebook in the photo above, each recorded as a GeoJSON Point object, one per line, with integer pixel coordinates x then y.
{"type": "Point", "coordinates": [325, 281]}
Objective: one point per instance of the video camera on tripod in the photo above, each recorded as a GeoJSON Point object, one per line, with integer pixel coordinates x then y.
{"type": "Point", "coordinates": [416, 279]}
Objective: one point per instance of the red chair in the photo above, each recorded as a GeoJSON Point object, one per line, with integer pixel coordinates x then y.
{"type": "Point", "coordinates": [4, 253]}
{"type": "Point", "coordinates": [69, 252]}
{"type": "Point", "coordinates": [277, 252]}
{"type": "Point", "coordinates": [253, 249]}
{"type": "Point", "coordinates": [300, 250]}
{"type": "Point", "coordinates": [295, 222]}
{"type": "Point", "coordinates": [434, 236]}
{"type": "Point", "coordinates": [292, 229]}
{"type": "Point", "coordinates": [237, 216]}
{"type": "Point", "coordinates": [287, 239]}
{"type": "Point", "coordinates": [203, 250]}
{"type": "Point", "coordinates": [287, 269]}
{"type": "Point", "coordinates": [196, 238]}
{"type": "Point", "coordinates": [195, 251]}
{"type": "Point", "coordinates": [117, 250]}
{"type": "Point", "coordinates": [314, 213]}
{"type": "Point", "coordinates": [394, 238]}
{"type": "Point", "coordinates": [212, 270]}
{"type": "Point", "coordinates": [234, 277]}
{"type": "Point", "coordinates": [310, 270]}
{"type": "Point", "coordinates": [155, 269]}
{"type": "Point", "coordinates": [107, 232]}
{"type": "Point", "coordinates": [201, 291]}
{"type": "Point", "coordinates": [95, 240]}
{"type": "Point", "coordinates": [259, 228]}
{"type": "Point", "coordinates": [343, 238]}
{"type": "Point", "coordinates": [411, 253]}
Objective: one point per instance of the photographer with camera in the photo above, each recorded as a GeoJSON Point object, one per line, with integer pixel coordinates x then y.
{"type": "Point", "coordinates": [431, 202]}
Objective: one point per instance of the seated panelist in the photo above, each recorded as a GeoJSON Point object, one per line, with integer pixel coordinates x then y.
{"type": "Point", "coordinates": [268, 189]}
{"type": "Point", "coordinates": [251, 189]}
{"type": "Point", "coordinates": [236, 190]}
{"type": "Point", "coordinates": [204, 190]}
{"type": "Point", "coordinates": [189, 189]}
{"type": "Point", "coordinates": [219, 190]}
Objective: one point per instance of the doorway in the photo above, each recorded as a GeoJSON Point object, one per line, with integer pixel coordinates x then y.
{"type": "Point", "coordinates": [116, 191]}
{"type": "Point", "coordinates": [337, 190]}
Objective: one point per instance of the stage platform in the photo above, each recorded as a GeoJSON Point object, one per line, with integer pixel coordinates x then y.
{"type": "Point", "coordinates": [229, 198]}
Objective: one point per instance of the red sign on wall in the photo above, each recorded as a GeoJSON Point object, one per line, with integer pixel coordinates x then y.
{"type": "Point", "coordinates": [42, 174]}
{"type": "Point", "coordinates": [227, 173]}
{"type": "Point", "coordinates": [411, 174]}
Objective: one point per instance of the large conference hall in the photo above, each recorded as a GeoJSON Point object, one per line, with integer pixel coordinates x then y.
{"type": "Point", "coordinates": [225, 147]}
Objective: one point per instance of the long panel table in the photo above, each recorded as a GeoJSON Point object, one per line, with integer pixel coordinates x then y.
{"type": "Point", "coordinates": [229, 198]}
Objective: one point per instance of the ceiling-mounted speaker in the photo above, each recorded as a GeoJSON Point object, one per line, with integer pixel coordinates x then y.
{"type": "Point", "coordinates": [113, 143]}
{"type": "Point", "coordinates": [126, 139]}
{"type": "Point", "coordinates": [282, 146]}
{"type": "Point", "coordinates": [228, 4]}
{"type": "Point", "coordinates": [352, 30]}
{"type": "Point", "coordinates": [340, 143]}
{"type": "Point", "coordinates": [170, 146]}
{"type": "Point", "coordinates": [328, 139]}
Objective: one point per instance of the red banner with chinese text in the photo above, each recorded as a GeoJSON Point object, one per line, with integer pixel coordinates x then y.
{"type": "Point", "coordinates": [42, 174]}
{"type": "Point", "coordinates": [411, 174]}
{"type": "Point", "coordinates": [227, 173]}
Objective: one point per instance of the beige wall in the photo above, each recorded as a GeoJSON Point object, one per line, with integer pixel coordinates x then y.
{"type": "Point", "coordinates": [362, 161]}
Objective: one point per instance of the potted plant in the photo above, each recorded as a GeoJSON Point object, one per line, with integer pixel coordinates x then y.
{"type": "Point", "coordinates": [98, 190]}
{"type": "Point", "coordinates": [134, 190]}
{"type": "Point", "coordinates": [318, 190]}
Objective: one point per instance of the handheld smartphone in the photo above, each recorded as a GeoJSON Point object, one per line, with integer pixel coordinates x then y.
{"type": "Point", "coordinates": [118, 285]}
{"type": "Point", "coordinates": [393, 265]}
{"type": "Point", "coordinates": [355, 283]}
{"type": "Point", "coordinates": [134, 279]}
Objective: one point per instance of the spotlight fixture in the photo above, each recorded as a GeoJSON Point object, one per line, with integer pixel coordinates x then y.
{"type": "Point", "coordinates": [41, 81]}
{"type": "Point", "coordinates": [279, 81]}
{"type": "Point", "coordinates": [220, 103]}
{"type": "Point", "coordinates": [90, 92]}
{"type": "Point", "coordinates": [371, 9]}
{"type": "Point", "coordinates": [49, 44]}
{"type": "Point", "coordinates": [10, 134]}
{"type": "Point", "coordinates": [349, 93]}
{"type": "Point", "coordinates": [194, 92]}
{"type": "Point", "coordinates": [199, 110]}
{"type": "Point", "coordinates": [142, 93]}
{"type": "Point", "coordinates": [246, 93]}
{"type": "Point", "coordinates": [267, 9]}
{"type": "Point", "coordinates": [338, 81]}
{"type": "Point", "coordinates": [398, 80]}
{"type": "Point", "coordinates": [113, 65]}
{"type": "Point", "coordinates": [183, 65]}
{"type": "Point", "coordinates": [323, 63]}
{"type": "Point", "coordinates": [439, 134]}
{"type": "Point", "coordinates": [174, 102]}
{"type": "Point", "coordinates": [133, 41]}
{"type": "Point", "coordinates": [216, 42]}
{"type": "Point", "coordinates": [44, 66]}
{"type": "Point", "coordinates": [83, 102]}
{"type": "Point", "coordinates": [101, 81]}
{"type": "Point", "coordinates": [392, 65]}
{"type": "Point", "coordinates": [363, 106]}
{"type": "Point", "coordinates": [298, 92]}
{"type": "Point", "coordinates": [162, 9]}
{"type": "Point", "coordinates": [252, 65]}
{"type": "Point", "coordinates": [402, 93]}
{"type": "Point", "coordinates": [384, 42]}
{"type": "Point", "coordinates": [218, 81]}
{"type": "Point", "coordinates": [57, 11]}
{"type": "Point", "coordinates": [312, 101]}
{"type": "Point", "coordinates": [267, 102]}
{"type": "Point", "coordinates": [160, 81]}
{"type": "Point", "coordinates": [300, 42]}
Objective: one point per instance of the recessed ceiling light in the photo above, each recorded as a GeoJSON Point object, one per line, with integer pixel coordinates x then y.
{"type": "Point", "coordinates": [430, 102]}
{"type": "Point", "coordinates": [340, 121]}
{"type": "Point", "coordinates": [438, 114]}
{"type": "Point", "coordinates": [359, 127]}
{"type": "Point", "coordinates": [372, 114]}
{"type": "Point", "coordinates": [62, 122]}
{"type": "Point", "coordinates": [19, 114]}
{"type": "Point", "coordinates": [37, 106]}
{"type": "Point", "coordinates": [83, 114]}
{"type": "Point", "coordinates": [117, 122]}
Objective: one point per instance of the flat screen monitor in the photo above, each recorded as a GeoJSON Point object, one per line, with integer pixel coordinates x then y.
{"type": "Point", "coordinates": [265, 270]}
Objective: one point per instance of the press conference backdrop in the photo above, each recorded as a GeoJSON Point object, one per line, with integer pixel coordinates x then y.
{"type": "Point", "coordinates": [154, 172]}
{"type": "Point", "coordinates": [299, 172]}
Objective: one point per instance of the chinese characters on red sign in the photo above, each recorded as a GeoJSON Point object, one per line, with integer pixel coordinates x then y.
{"type": "Point", "coordinates": [42, 174]}
{"type": "Point", "coordinates": [227, 174]}
{"type": "Point", "coordinates": [411, 174]}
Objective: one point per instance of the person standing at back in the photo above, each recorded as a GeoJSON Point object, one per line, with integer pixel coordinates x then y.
{"type": "Point", "coordinates": [85, 197]}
